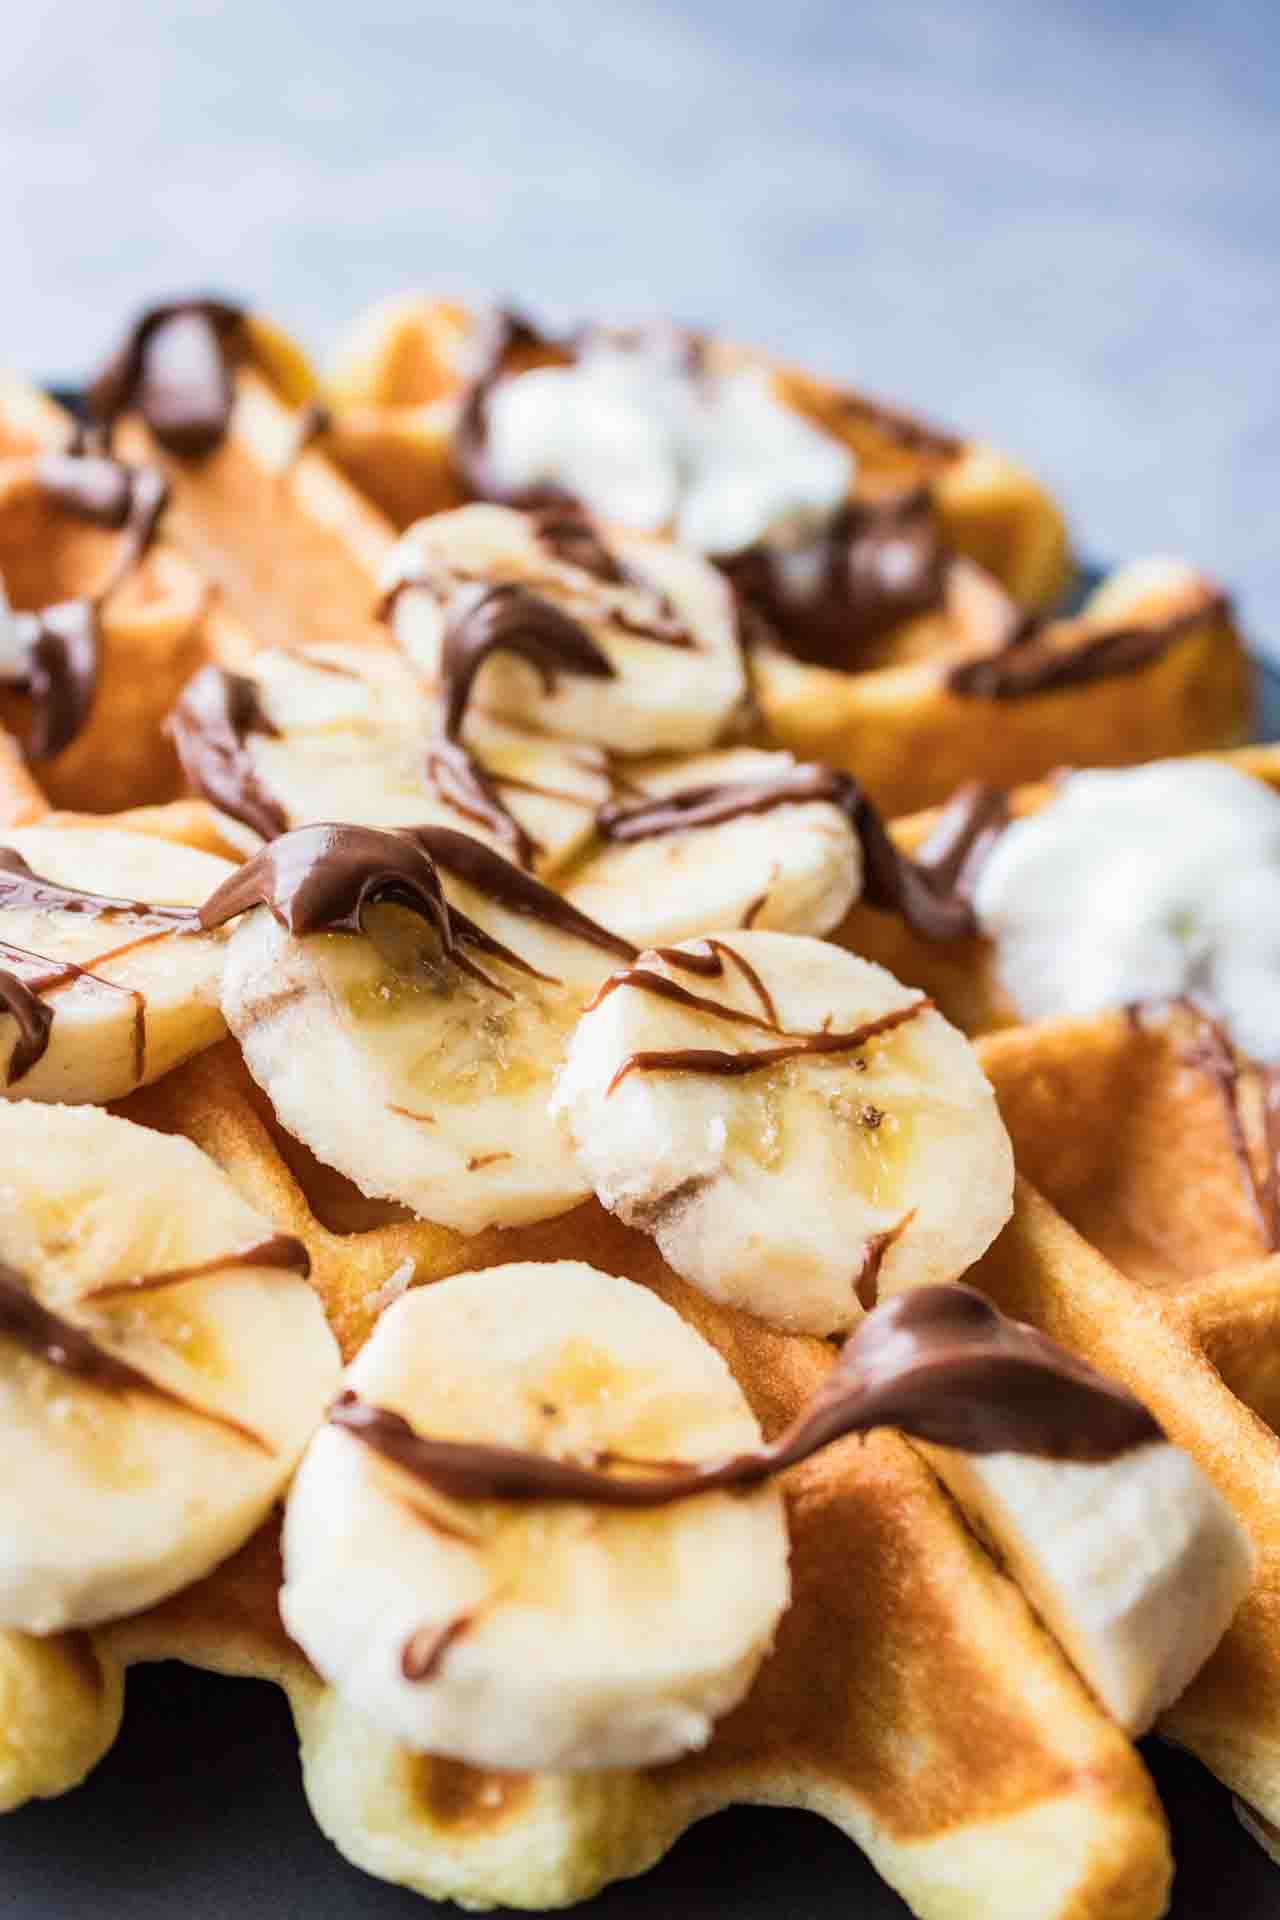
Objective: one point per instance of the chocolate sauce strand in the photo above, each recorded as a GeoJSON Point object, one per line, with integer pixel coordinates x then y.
{"type": "Point", "coordinates": [93, 487]}
{"type": "Point", "coordinates": [34, 1021]}
{"type": "Point", "coordinates": [569, 534]}
{"type": "Point", "coordinates": [917, 435]}
{"type": "Point", "coordinates": [866, 1282]}
{"type": "Point", "coordinates": [478, 866]}
{"type": "Point", "coordinates": [481, 620]}
{"type": "Point", "coordinates": [1028, 664]}
{"type": "Point", "coordinates": [1214, 1055]}
{"type": "Point", "coordinates": [465, 784]}
{"type": "Point", "coordinates": [174, 365]}
{"type": "Point", "coordinates": [877, 564]}
{"type": "Point", "coordinates": [324, 878]}
{"type": "Point", "coordinates": [282, 1252]}
{"type": "Point", "coordinates": [710, 1060]}
{"type": "Point", "coordinates": [209, 727]}
{"type": "Point", "coordinates": [60, 1343]}
{"type": "Point", "coordinates": [922, 891]}
{"type": "Point", "coordinates": [20, 887]}
{"type": "Point", "coordinates": [939, 1363]}
{"type": "Point", "coordinates": [59, 671]}
{"type": "Point", "coordinates": [963, 835]}
{"type": "Point", "coordinates": [497, 333]}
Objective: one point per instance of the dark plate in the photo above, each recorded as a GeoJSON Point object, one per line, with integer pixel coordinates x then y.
{"type": "Point", "coordinates": [198, 1812]}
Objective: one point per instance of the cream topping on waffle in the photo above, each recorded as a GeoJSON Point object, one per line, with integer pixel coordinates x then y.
{"type": "Point", "coordinates": [644, 439]}
{"type": "Point", "coordinates": [1151, 884]}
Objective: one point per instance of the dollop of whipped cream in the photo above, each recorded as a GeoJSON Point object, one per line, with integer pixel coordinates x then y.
{"type": "Point", "coordinates": [642, 439]}
{"type": "Point", "coordinates": [1160, 881]}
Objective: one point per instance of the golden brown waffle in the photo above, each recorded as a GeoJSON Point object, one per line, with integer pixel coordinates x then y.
{"type": "Point", "coordinates": [397, 376]}
{"type": "Point", "coordinates": [155, 629]}
{"type": "Point", "coordinates": [917, 1706]}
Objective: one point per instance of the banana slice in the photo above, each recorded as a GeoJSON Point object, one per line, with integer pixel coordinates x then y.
{"type": "Point", "coordinates": [661, 669]}
{"type": "Point", "coordinates": [791, 1124]}
{"type": "Point", "coordinates": [106, 979]}
{"type": "Point", "coordinates": [147, 1426]}
{"type": "Point", "coordinates": [718, 840]}
{"type": "Point", "coordinates": [546, 1635]}
{"type": "Point", "coordinates": [421, 1071]}
{"type": "Point", "coordinates": [353, 734]}
{"type": "Point", "coordinates": [1135, 1565]}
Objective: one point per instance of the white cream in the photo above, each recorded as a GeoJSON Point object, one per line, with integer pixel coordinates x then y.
{"type": "Point", "coordinates": [644, 442]}
{"type": "Point", "coordinates": [1140, 885]}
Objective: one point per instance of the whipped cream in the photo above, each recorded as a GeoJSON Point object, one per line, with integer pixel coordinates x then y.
{"type": "Point", "coordinates": [642, 440]}
{"type": "Point", "coordinates": [1142, 885]}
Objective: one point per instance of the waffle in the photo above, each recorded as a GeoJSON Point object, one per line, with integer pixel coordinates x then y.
{"type": "Point", "coordinates": [921, 1707]}
{"type": "Point", "coordinates": [931, 1658]}
{"type": "Point", "coordinates": [157, 618]}
{"type": "Point", "coordinates": [284, 516]}
{"type": "Point", "coordinates": [397, 376]}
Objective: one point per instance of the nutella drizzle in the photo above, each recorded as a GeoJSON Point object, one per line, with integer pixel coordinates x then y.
{"type": "Point", "coordinates": [20, 888]}
{"type": "Point", "coordinates": [906, 429]}
{"type": "Point", "coordinates": [210, 725]}
{"type": "Point", "coordinates": [925, 891]}
{"type": "Point", "coordinates": [174, 366]}
{"type": "Point", "coordinates": [34, 1021]}
{"type": "Point", "coordinates": [323, 878]}
{"type": "Point", "coordinates": [107, 493]}
{"type": "Point", "coordinates": [60, 1343]}
{"type": "Point", "coordinates": [876, 564]}
{"type": "Point", "coordinates": [481, 620]}
{"type": "Point", "coordinates": [939, 1363]}
{"type": "Point", "coordinates": [1028, 663]}
{"type": "Point", "coordinates": [282, 1252]}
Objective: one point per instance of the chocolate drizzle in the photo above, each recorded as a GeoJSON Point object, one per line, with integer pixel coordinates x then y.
{"type": "Point", "coordinates": [481, 620]}
{"type": "Point", "coordinates": [60, 1343]}
{"type": "Point", "coordinates": [1030, 662]}
{"type": "Point", "coordinates": [925, 891]}
{"type": "Point", "coordinates": [569, 534]}
{"type": "Point", "coordinates": [875, 565]}
{"type": "Point", "coordinates": [938, 1363]}
{"type": "Point", "coordinates": [465, 784]}
{"type": "Point", "coordinates": [174, 366]}
{"type": "Point", "coordinates": [209, 727]}
{"type": "Point", "coordinates": [34, 1021]}
{"type": "Point", "coordinates": [21, 888]}
{"type": "Point", "coordinates": [281, 1252]}
{"type": "Point", "coordinates": [497, 334]}
{"type": "Point", "coordinates": [907, 430]}
{"type": "Point", "coordinates": [107, 493]}
{"type": "Point", "coordinates": [324, 878]}
{"type": "Point", "coordinates": [60, 673]}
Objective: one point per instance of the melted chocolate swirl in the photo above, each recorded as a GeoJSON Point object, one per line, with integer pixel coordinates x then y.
{"type": "Point", "coordinates": [939, 1364]}
{"type": "Point", "coordinates": [1032, 662]}
{"type": "Point", "coordinates": [210, 727]}
{"type": "Point", "coordinates": [175, 367]}
{"type": "Point", "coordinates": [481, 620]}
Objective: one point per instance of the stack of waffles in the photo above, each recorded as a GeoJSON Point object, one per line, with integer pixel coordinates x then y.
{"type": "Point", "coordinates": [642, 1114]}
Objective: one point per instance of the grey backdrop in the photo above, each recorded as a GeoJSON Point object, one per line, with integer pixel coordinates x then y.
{"type": "Point", "coordinates": [1055, 223]}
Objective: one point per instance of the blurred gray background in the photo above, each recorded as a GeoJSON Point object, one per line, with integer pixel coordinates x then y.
{"type": "Point", "coordinates": [1056, 224]}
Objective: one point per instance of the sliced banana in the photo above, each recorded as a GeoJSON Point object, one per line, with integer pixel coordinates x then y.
{"type": "Point", "coordinates": [791, 868]}
{"type": "Point", "coordinates": [545, 1635]}
{"type": "Point", "coordinates": [98, 998]}
{"type": "Point", "coordinates": [668, 630]}
{"type": "Point", "coordinates": [353, 734]}
{"type": "Point", "coordinates": [423, 1077]}
{"type": "Point", "coordinates": [1136, 1565]}
{"type": "Point", "coordinates": [150, 1420]}
{"type": "Point", "coordinates": [792, 1125]}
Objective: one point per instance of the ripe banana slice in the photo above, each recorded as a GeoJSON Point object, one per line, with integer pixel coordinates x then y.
{"type": "Point", "coordinates": [1136, 1565]}
{"type": "Point", "coordinates": [668, 676]}
{"type": "Point", "coordinates": [106, 979]}
{"type": "Point", "coordinates": [353, 734]}
{"type": "Point", "coordinates": [791, 1124]}
{"type": "Point", "coordinates": [762, 859]}
{"type": "Point", "coordinates": [548, 1635]}
{"type": "Point", "coordinates": [422, 1074]}
{"type": "Point", "coordinates": [147, 1428]}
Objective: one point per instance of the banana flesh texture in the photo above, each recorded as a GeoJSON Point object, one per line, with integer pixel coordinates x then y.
{"type": "Point", "coordinates": [662, 698]}
{"type": "Point", "coordinates": [112, 1498]}
{"type": "Point", "coordinates": [131, 996]}
{"type": "Point", "coordinates": [795, 1190]}
{"type": "Point", "coordinates": [553, 1635]}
